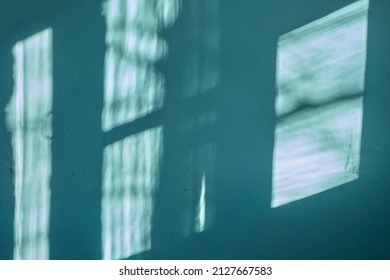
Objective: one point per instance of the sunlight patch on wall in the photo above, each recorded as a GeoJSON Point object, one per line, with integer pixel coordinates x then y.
{"type": "Point", "coordinates": [201, 217]}
{"type": "Point", "coordinates": [133, 86]}
{"type": "Point", "coordinates": [319, 104]}
{"type": "Point", "coordinates": [130, 179]}
{"type": "Point", "coordinates": [29, 119]}
{"type": "Point", "coordinates": [197, 194]}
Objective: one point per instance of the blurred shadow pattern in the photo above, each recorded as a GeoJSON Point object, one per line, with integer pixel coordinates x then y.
{"type": "Point", "coordinates": [130, 179]}
{"type": "Point", "coordinates": [202, 42]}
{"type": "Point", "coordinates": [319, 104]}
{"type": "Point", "coordinates": [29, 120]}
{"type": "Point", "coordinates": [133, 87]}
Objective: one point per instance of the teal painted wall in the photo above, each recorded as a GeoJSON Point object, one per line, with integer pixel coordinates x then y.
{"type": "Point", "coordinates": [218, 119]}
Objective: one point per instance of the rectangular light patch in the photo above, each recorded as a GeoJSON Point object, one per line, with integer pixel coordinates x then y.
{"type": "Point", "coordinates": [130, 179]}
{"type": "Point", "coordinates": [29, 113]}
{"type": "Point", "coordinates": [134, 87]}
{"type": "Point", "coordinates": [319, 104]}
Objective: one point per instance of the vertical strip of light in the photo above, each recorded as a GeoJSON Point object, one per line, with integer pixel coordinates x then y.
{"type": "Point", "coordinates": [201, 218]}
{"type": "Point", "coordinates": [29, 119]}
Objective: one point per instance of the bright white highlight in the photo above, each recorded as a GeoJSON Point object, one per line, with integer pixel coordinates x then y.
{"type": "Point", "coordinates": [29, 120]}
{"type": "Point", "coordinates": [319, 104]}
{"type": "Point", "coordinates": [201, 218]}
